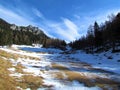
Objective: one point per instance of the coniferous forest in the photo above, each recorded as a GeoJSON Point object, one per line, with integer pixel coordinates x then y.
{"type": "Point", "coordinates": [100, 37]}
{"type": "Point", "coordinates": [13, 34]}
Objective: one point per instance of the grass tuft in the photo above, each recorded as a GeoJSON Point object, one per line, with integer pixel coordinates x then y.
{"type": "Point", "coordinates": [59, 67]}
{"type": "Point", "coordinates": [30, 81]}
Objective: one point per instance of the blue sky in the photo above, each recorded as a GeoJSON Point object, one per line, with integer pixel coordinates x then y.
{"type": "Point", "coordinates": [64, 19]}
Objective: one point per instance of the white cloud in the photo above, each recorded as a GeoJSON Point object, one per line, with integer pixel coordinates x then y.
{"type": "Point", "coordinates": [13, 17]}
{"type": "Point", "coordinates": [66, 29]}
{"type": "Point", "coordinates": [77, 16]}
{"type": "Point", "coordinates": [38, 13]}
{"type": "Point", "coordinates": [72, 28]}
{"type": "Point", "coordinates": [65, 34]}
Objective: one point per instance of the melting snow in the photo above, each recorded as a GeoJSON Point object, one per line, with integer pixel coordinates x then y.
{"type": "Point", "coordinates": [100, 60]}
{"type": "Point", "coordinates": [35, 67]}
{"type": "Point", "coordinates": [11, 69]}
{"type": "Point", "coordinates": [16, 75]}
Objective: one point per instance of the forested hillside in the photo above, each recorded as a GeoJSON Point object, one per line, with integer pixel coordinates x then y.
{"type": "Point", "coordinates": [13, 34]}
{"type": "Point", "coordinates": [101, 37]}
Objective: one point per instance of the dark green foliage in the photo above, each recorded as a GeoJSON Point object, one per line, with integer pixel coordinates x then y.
{"type": "Point", "coordinates": [55, 43]}
{"type": "Point", "coordinates": [28, 38]}
{"type": "Point", "coordinates": [101, 38]}
{"type": "Point", "coordinates": [20, 36]}
{"type": "Point", "coordinates": [4, 25]}
{"type": "Point", "coordinates": [97, 35]}
{"type": "Point", "coordinates": [5, 33]}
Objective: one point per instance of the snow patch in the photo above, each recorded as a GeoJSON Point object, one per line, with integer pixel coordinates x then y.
{"type": "Point", "coordinates": [12, 69]}
{"type": "Point", "coordinates": [75, 85]}
{"type": "Point", "coordinates": [100, 60]}
{"type": "Point", "coordinates": [16, 75]}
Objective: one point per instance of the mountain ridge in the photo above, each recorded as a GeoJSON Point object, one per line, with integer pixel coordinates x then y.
{"type": "Point", "coordinates": [20, 34]}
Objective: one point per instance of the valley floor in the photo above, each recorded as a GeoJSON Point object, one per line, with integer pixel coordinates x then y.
{"type": "Point", "coordinates": [34, 68]}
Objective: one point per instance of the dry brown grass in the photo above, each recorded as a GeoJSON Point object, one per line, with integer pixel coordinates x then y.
{"type": "Point", "coordinates": [8, 82]}
{"type": "Point", "coordinates": [58, 75]}
{"type": "Point", "coordinates": [16, 56]}
{"type": "Point", "coordinates": [30, 81]}
{"type": "Point", "coordinates": [72, 75]}
{"type": "Point", "coordinates": [19, 68]}
{"type": "Point", "coordinates": [101, 82]}
{"type": "Point", "coordinates": [8, 55]}
{"type": "Point", "coordinates": [59, 67]}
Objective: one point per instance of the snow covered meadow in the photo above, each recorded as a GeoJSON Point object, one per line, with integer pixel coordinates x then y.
{"type": "Point", "coordinates": [56, 70]}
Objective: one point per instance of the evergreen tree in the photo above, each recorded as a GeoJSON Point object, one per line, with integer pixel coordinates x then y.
{"type": "Point", "coordinates": [105, 37]}
{"type": "Point", "coordinates": [98, 35]}
{"type": "Point", "coordinates": [90, 39]}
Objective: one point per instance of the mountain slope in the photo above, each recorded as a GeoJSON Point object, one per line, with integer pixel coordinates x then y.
{"type": "Point", "coordinates": [13, 34]}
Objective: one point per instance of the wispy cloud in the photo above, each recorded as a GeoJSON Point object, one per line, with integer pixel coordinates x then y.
{"type": "Point", "coordinates": [13, 17]}
{"type": "Point", "coordinates": [66, 29]}
{"type": "Point", "coordinates": [72, 28]}
{"type": "Point", "coordinates": [38, 13]}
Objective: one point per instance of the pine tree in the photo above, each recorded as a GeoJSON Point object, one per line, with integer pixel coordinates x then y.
{"type": "Point", "coordinates": [98, 35]}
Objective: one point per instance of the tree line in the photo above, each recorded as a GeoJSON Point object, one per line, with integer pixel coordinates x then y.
{"type": "Point", "coordinates": [100, 37]}
{"type": "Point", "coordinates": [55, 43]}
